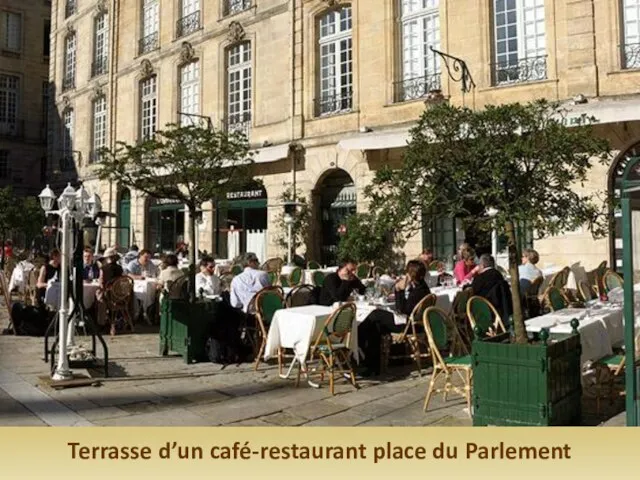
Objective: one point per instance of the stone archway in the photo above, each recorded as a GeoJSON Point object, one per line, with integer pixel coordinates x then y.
{"type": "Point", "coordinates": [334, 199]}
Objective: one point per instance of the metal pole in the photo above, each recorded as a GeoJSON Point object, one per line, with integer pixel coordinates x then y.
{"type": "Point", "coordinates": [629, 318]}
{"type": "Point", "coordinates": [62, 371]}
{"type": "Point", "coordinates": [290, 229]}
{"type": "Point", "coordinates": [98, 239]}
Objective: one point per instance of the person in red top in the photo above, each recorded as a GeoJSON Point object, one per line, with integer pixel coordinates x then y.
{"type": "Point", "coordinates": [466, 268]}
{"type": "Point", "coordinates": [8, 249]}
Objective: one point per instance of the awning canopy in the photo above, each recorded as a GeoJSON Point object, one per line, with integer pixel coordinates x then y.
{"type": "Point", "coordinates": [271, 154]}
{"type": "Point", "coordinates": [605, 111]}
{"type": "Point", "coordinates": [376, 140]}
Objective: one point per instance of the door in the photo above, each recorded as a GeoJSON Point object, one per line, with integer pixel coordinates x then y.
{"type": "Point", "coordinates": [124, 219]}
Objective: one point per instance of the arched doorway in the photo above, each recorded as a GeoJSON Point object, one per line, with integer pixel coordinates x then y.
{"type": "Point", "coordinates": [164, 224]}
{"type": "Point", "coordinates": [124, 218]}
{"type": "Point", "coordinates": [615, 231]}
{"type": "Point", "coordinates": [337, 195]}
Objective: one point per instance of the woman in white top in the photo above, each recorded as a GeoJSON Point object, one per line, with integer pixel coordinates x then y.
{"type": "Point", "coordinates": [206, 281]}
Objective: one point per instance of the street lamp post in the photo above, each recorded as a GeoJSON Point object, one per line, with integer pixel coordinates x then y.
{"type": "Point", "coordinates": [73, 206]}
{"type": "Point", "coordinates": [289, 211]}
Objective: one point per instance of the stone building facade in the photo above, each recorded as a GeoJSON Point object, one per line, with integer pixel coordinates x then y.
{"type": "Point", "coordinates": [327, 91]}
{"type": "Point", "coordinates": [24, 94]}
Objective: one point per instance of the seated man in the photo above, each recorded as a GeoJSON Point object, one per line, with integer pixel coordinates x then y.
{"type": "Point", "coordinates": [90, 270]}
{"type": "Point", "coordinates": [528, 271]}
{"type": "Point", "coordinates": [131, 255]}
{"type": "Point", "coordinates": [248, 283]}
{"type": "Point", "coordinates": [142, 267]}
{"type": "Point", "coordinates": [207, 281]}
{"type": "Point", "coordinates": [490, 284]}
{"type": "Point", "coordinates": [426, 257]}
{"type": "Point", "coordinates": [339, 286]}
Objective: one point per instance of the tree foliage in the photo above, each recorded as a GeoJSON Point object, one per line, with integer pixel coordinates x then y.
{"type": "Point", "coordinates": [19, 215]}
{"type": "Point", "coordinates": [189, 164]}
{"type": "Point", "coordinates": [518, 162]}
{"type": "Point", "coordinates": [366, 240]}
{"type": "Point", "coordinates": [301, 220]}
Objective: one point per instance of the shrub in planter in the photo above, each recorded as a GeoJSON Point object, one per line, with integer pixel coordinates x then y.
{"type": "Point", "coordinates": [527, 384]}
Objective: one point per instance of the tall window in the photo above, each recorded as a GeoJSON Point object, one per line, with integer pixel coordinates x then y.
{"type": "Point", "coordinates": [236, 6]}
{"type": "Point", "coordinates": [46, 38]}
{"type": "Point", "coordinates": [9, 95]}
{"type": "Point", "coordinates": [239, 88]}
{"type": "Point", "coordinates": [67, 139]}
{"type": "Point", "coordinates": [4, 163]}
{"type": "Point", "coordinates": [631, 33]}
{"type": "Point", "coordinates": [189, 92]}
{"type": "Point", "coordinates": [150, 24]}
{"type": "Point", "coordinates": [148, 107]}
{"type": "Point", "coordinates": [189, 20]}
{"type": "Point", "coordinates": [45, 110]}
{"type": "Point", "coordinates": [100, 45]}
{"type": "Point", "coordinates": [70, 8]}
{"type": "Point", "coordinates": [69, 77]}
{"type": "Point", "coordinates": [420, 27]}
{"type": "Point", "coordinates": [11, 31]}
{"type": "Point", "coordinates": [99, 127]}
{"type": "Point", "coordinates": [520, 46]}
{"type": "Point", "coordinates": [336, 69]}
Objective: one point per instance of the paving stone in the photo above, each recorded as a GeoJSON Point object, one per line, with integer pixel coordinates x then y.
{"type": "Point", "coordinates": [102, 413]}
{"type": "Point", "coordinates": [178, 418]}
{"type": "Point", "coordinates": [343, 419]}
{"type": "Point", "coordinates": [318, 409]}
{"type": "Point", "coordinates": [285, 419]}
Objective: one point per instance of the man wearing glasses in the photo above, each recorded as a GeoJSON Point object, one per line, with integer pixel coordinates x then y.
{"type": "Point", "coordinates": [206, 281]}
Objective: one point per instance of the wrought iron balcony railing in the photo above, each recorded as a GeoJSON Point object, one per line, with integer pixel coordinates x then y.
{"type": "Point", "coordinates": [335, 103]}
{"type": "Point", "coordinates": [631, 55]}
{"type": "Point", "coordinates": [70, 7]}
{"type": "Point", "coordinates": [12, 128]}
{"type": "Point", "coordinates": [188, 24]}
{"type": "Point", "coordinates": [232, 7]}
{"type": "Point", "coordinates": [418, 87]}
{"type": "Point", "coordinates": [100, 66]}
{"type": "Point", "coordinates": [531, 69]}
{"type": "Point", "coordinates": [149, 43]}
{"type": "Point", "coordinates": [239, 122]}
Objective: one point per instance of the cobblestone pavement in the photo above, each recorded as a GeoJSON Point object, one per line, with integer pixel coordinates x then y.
{"type": "Point", "coordinates": [147, 389]}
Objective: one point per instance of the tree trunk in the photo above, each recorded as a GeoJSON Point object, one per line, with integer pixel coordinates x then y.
{"type": "Point", "coordinates": [518, 319]}
{"type": "Point", "coordinates": [192, 254]}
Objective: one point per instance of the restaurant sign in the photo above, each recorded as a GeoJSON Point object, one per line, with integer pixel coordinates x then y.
{"type": "Point", "coordinates": [254, 194]}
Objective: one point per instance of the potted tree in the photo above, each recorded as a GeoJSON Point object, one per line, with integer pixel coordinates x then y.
{"type": "Point", "coordinates": [193, 165]}
{"type": "Point", "coordinates": [501, 167]}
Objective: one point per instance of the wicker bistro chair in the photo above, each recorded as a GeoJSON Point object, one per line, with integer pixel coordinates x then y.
{"type": "Point", "coordinates": [586, 291]}
{"type": "Point", "coordinates": [459, 315]}
{"type": "Point", "coordinates": [502, 271]}
{"type": "Point", "coordinates": [531, 298]}
{"type": "Point", "coordinates": [295, 277]}
{"type": "Point", "coordinates": [436, 266]}
{"type": "Point", "coordinates": [611, 280]}
{"type": "Point", "coordinates": [236, 269]}
{"type": "Point", "coordinates": [268, 301]}
{"type": "Point", "coordinates": [362, 271]}
{"type": "Point", "coordinates": [313, 265]}
{"type": "Point", "coordinates": [377, 271]}
{"type": "Point", "coordinates": [273, 278]}
{"type": "Point", "coordinates": [179, 288]}
{"type": "Point", "coordinates": [273, 265]}
{"type": "Point", "coordinates": [331, 346]}
{"type": "Point", "coordinates": [118, 297]}
{"type": "Point", "coordinates": [483, 314]}
{"type": "Point", "coordinates": [284, 281]}
{"type": "Point", "coordinates": [555, 299]}
{"type": "Point", "coordinates": [414, 338]}
{"type": "Point", "coordinates": [300, 296]}
{"type": "Point", "coordinates": [318, 278]}
{"type": "Point", "coordinates": [445, 367]}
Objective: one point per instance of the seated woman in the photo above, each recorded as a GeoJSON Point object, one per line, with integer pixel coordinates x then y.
{"type": "Point", "coordinates": [170, 274]}
{"type": "Point", "coordinates": [47, 272]}
{"type": "Point", "coordinates": [466, 268]}
{"type": "Point", "coordinates": [412, 288]}
{"type": "Point", "coordinates": [528, 271]}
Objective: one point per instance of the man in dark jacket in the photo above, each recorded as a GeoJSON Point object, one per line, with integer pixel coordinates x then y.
{"type": "Point", "coordinates": [490, 284]}
{"type": "Point", "coordinates": [339, 286]}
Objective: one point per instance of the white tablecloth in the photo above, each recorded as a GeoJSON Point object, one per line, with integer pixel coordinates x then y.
{"type": "Point", "coordinates": [145, 292]}
{"type": "Point", "coordinates": [297, 328]}
{"type": "Point", "coordinates": [307, 274]}
{"type": "Point", "coordinates": [52, 294]}
{"type": "Point", "coordinates": [599, 332]}
{"type": "Point", "coordinates": [20, 275]}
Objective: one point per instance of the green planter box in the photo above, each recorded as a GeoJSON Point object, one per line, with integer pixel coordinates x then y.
{"type": "Point", "coordinates": [184, 327]}
{"type": "Point", "coordinates": [536, 384]}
